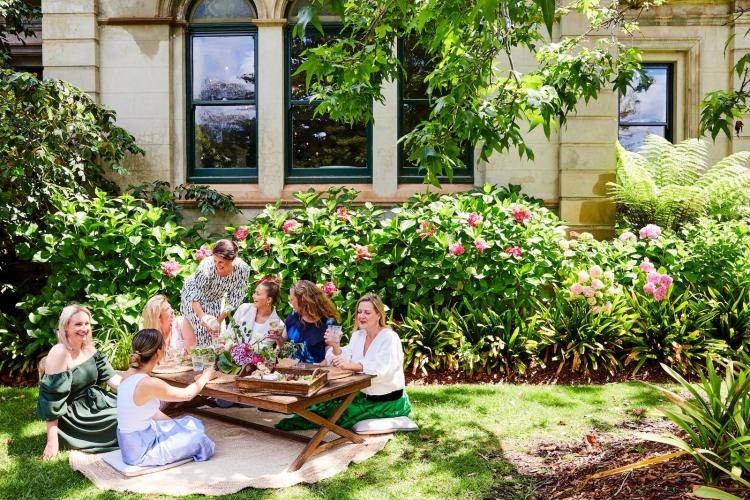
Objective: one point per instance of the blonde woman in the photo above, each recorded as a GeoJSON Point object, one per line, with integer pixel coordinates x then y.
{"type": "Point", "coordinates": [376, 350]}
{"type": "Point", "coordinates": [313, 314]}
{"type": "Point", "coordinates": [159, 315]}
{"type": "Point", "coordinates": [79, 414]}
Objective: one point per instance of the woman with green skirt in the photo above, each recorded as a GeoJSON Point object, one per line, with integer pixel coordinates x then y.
{"type": "Point", "coordinates": [373, 349]}
{"type": "Point", "coordinates": [79, 414]}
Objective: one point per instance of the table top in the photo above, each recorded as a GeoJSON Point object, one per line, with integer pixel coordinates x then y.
{"type": "Point", "coordinates": [276, 402]}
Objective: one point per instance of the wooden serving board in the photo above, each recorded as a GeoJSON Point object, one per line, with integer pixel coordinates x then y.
{"type": "Point", "coordinates": [284, 387]}
{"type": "Point", "coordinates": [172, 368]}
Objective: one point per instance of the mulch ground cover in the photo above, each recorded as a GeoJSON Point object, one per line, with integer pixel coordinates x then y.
{"type": "Point", "coordinates": [563, 470]}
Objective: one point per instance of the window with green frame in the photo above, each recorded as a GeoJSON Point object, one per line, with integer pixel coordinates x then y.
{"type": "Point", "coordinates": [414, 107]}
{"type": "Point", "coordinates": [318, 148]}
{"type": "Point", "coordinates": [647, 109]}
{"type": "Point", "coordinates": [222, 121]}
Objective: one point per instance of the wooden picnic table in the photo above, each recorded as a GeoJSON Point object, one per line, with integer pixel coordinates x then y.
{"type": "Point", "coordinates": [346, 388]}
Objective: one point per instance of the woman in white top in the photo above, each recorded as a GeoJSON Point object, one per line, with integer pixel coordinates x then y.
{"type": "Point", "coordinates": [373, 349]}
{"type": "Point", "coordinates": [254, 319]}
{"type": "Point", "coordinates": [159, 315]}
{"type": "Point", "coordinates": [146, 435]}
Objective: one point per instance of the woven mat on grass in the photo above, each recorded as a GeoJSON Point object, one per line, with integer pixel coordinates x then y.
{"type": "Point", "coordinates": [244, 458]}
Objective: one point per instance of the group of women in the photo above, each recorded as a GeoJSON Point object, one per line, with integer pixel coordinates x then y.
{"type": "Point", "coordinates": [82, 415]}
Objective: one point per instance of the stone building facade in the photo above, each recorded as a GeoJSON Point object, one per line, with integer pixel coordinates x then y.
{"type": "Point", "coordinates": [142, 58]}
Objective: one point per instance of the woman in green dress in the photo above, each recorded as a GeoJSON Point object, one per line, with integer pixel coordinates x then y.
{"type": "Point", "coordinates": [376, 350]}
{"type": "Point", "coordinates": [79, 414]}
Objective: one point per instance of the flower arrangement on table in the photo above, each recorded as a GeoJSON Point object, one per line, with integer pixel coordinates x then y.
{"type": "Point", "coordinates": [237, 353]}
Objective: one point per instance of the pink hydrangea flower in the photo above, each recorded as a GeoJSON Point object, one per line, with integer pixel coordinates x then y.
{"type": "Point", "coordinates": [514, 251]}
{"type": "Point", "coordinates": [343, 214]}
{"type": "Point", "coordinates": [475, 219]}
{"type": "Point", "coordinates": [651, 231]}
{"type": "Point", "coordinates": [202, 253]}
{"type": "Point", "coordinates": [627, 236]}
{"type": "Point", "coordinates": [666, 280]}
{"type": "Point", "coordinates": [654, 277]}
{"type": "Point", "coordinates": [649, 288]}
{"type": "Point", "coordinates": [362, 253]}
{"type": "Point", "coordinates": [660, 294]}
{"type": "Point", "coordinates": [289, 225]}
{"type": "Point", "coordinates": [583, 276]}
{"type": "Point", "coordinates": [597, 284]}
{"type": "Point", "coordinates": [329, 288]}
{"type": "Point", "coordinates": [520, 214]}
{"type": "Point", "coordinates": [596, 309]}
{"type": "Point", "coordinates": [609, 275]}
{"type": "Point", "coordinates": [481, 245]}
{"type": "Point", "coordinates": [608, 306]}
{"type": "Point", "coordinates": [241, 233]}
{"type": "Point", "coordinates": [456, 249]}
{"type": "Point", "coordinates": [243, 353]}
{"type": "Point", "coordinates": [426, 229]}
{"type": "Point", "coordinates": [646, 266]}
{"type": "Point", "coordinates": [170, 268]}
{"type": "Point", "coordinates": [588, 292]}
{"type": "Point", "coordinates": [576, 288]}
{"type": "Point", "coordinates": [595, 271]}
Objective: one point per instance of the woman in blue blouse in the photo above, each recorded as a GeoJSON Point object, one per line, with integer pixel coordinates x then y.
{"type": "Point", "coordinates": [313, 314]}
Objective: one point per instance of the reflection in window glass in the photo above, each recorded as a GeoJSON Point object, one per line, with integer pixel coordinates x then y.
{"type": "Point", "coordinates": [646, 108]}
{"type": "Point", "coordinates": [321, 142]}
{"type": "Point", "coordinates": [416, 107]}
{"type": "Point", "coordinates": [223, 67]}
{"type": "Point", "coordinates": [317, 141]}
{"type": "Point", "coordinates": [223, 9]}
{"type": "Point", "coordinates": [225, 136]}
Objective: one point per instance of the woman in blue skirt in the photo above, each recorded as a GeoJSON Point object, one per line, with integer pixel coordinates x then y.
{"type": "Point", "coordinates": [146, 435]}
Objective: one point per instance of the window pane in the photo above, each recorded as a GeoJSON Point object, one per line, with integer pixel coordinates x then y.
{"type": "Point", "coordinates": [641, 104]}
{"type": "Point", "coordinates": [223, 67]}
{"type": "Point", "coordinates": [417, 67]}
{"type": "Point", "coordinates": [225, 136]}
{"type": "Point", "coordinates": [223, 9]}
{"type": "Point", "coordinates": [298, 47]}
{"type": "Point", "coordinates": [321, 142]}
{"type": "Point", "coordinates": [631, 138]}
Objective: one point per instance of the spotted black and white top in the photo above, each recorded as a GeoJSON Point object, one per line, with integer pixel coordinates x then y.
{"type": "Point", "coordinates": [207, 288]}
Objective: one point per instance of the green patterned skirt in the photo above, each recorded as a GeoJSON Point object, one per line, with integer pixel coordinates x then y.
{"type": "Point", "coordinates": [359, 409]}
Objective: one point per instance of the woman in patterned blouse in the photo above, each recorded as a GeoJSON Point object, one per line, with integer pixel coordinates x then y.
{"type": "Point", "coordinates": [223, 275]}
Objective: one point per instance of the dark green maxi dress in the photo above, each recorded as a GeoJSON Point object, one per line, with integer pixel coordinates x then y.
{"type": "Point", "coordinates": [86, 413]}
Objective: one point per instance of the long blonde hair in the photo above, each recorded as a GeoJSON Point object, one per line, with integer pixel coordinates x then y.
{"type": "Point", "coordinates": [62, 324]}
{"type": "Point", "coordinates": [313, 302]}
{"type": "Point", "coordinates": [152, 312]}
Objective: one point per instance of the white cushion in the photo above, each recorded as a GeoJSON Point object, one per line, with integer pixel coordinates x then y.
{"type": "Point", "coordinates": [385, 425]}
{"type": "Point", "coordinates": [114, 460]}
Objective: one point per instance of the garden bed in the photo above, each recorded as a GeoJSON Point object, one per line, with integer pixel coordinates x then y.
{"type": "Point", "coordinates": [562, 470]}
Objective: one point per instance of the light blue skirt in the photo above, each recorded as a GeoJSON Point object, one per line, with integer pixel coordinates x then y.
{"type": "Point", "coordinates": [165, 442]}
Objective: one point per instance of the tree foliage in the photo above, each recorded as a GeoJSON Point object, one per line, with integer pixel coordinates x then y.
{"type": "Point", "coordinates": [16, 16]}
{"type": "Point", "coordinates": [721, 109]}
{"type": "Point", "coordinates": [477, 94]}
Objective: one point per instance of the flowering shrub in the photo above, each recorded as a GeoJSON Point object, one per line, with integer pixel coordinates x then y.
{"type": "Point", "coordinates": [111, 254]}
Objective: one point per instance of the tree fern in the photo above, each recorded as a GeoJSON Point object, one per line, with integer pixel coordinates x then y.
{"type": "Point", "coordinates": [670, 184]}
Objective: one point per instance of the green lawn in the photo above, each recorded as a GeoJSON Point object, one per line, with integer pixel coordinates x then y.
{"type": "Point", "coordinates": [459, 451]}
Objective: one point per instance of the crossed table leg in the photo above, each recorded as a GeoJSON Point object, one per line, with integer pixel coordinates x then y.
{"type": "Point", "coordinates": [326, 425]}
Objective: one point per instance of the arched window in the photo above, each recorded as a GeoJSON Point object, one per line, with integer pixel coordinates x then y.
{"type": "Point", "coordinates": [414, 108]}
{"type": "Point", "coordinates": [221, 92]}
{"type": "Point", "coordinates": [318, 148]}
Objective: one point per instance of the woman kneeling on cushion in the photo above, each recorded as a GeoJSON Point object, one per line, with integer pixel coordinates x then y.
{"type": "Point", "coordinates": [146, 435]}
{"type": "Point", "coordinates": [375, 350]}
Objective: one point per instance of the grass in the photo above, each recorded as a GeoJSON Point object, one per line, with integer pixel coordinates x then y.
{"type": "Point", "coordinates": [459, 451]}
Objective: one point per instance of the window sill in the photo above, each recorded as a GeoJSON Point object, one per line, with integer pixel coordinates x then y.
{"type": "Point", "coordinates": [251, 196]}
